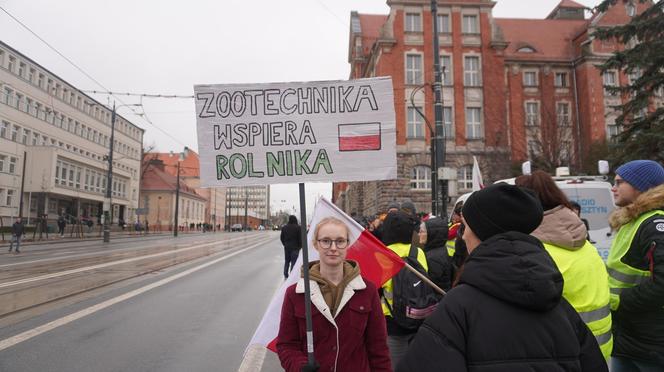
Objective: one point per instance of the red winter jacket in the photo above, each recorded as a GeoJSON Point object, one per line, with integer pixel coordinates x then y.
{"type": "Point", "coordinates": [356, 340]}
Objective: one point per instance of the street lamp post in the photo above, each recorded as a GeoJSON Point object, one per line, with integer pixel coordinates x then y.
{"type": "Point", "coordinates": [439, 146]}
{"type": "Point", "coordinates": [177, 190]}
{"type": "Point", "coordinates": [109, 175]}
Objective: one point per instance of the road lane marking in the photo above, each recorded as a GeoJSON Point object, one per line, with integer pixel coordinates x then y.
{"type": "Point", "coordinates": [100, 266]}
{"type": "Point", "coordinates": [21, 337]}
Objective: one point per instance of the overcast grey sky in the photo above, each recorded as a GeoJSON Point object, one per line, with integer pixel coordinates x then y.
{"type": "Point", "coordinates": [165, 47]}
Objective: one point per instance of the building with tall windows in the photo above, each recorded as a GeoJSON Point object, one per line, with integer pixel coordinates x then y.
{"type": "Point", "coordinates": [513, 90]}
{"type": "Point", "coordinates": [61, 138]}
{"type": "Point", "coordinates": [213, 211]}
{"type": "Point", "coordinates": [248, 203]}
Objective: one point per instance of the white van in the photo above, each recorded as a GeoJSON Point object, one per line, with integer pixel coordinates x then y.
{"type": "Point", "coordinates": [596, 200]}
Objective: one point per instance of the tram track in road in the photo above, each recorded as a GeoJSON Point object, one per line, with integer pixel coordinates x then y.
{"type": "Point", "coordinates": [35, 284]}
{"type": "Point", "coordinates": [48, 324]}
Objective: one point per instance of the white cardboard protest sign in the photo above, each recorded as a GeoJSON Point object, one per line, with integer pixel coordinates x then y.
{"type": "Point", "coordinates": [321, 131]}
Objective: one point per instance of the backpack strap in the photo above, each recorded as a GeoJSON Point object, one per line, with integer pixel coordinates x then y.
{"type": "Point", "coordinates": [413, 252]}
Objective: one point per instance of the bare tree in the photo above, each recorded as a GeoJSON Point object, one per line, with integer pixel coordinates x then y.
{"type": "Point", "coordinates": [550, 142]}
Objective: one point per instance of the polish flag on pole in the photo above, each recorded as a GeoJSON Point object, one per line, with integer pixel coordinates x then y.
{"type": "Point", "coordinates": [359, 137]}
{"type": "Point", "coordinates": [377, 264]}
{"type": "Point", "coordinates": [478, 184]}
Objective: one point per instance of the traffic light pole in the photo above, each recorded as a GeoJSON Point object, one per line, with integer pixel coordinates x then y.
{"type": "Point", "coordinates": [439, 138]}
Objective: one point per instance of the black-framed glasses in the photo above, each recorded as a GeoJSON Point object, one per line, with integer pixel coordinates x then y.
{"type": "Point", "coordinates": [327, 243]}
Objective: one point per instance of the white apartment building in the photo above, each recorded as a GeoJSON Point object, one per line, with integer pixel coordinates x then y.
{"type": "Point", "coordinates": [256, 201]}
{"type": "Point", "coordinates": [64, 137]}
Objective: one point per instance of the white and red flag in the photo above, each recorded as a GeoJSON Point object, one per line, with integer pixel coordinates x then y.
{"type": "Point", "coordinates": [478, 184]}
{"type": "Point", "coordinates": [359, 137]}
{"type": "Point", "coordinates": [377, 264]}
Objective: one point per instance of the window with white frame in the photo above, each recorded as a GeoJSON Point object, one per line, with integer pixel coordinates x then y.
{"type": "Point", "coordinates": [612, 130]}
{"type": "Point", "coordinates": [11, 64]}
{"type": "Point", "coordinates": [562, 114]}
{"type": "Point", "coordinates": [4, 129]}
{"type": "Point", "coordinates": [8, 96]}
{"type": "Point", "coordinates": [15, 130]}
{"type": "Point", "coordinates": [530, 78]}
{"type": "Point", "coordinates": [31, 74]}
{"type": "Point", "coordinates": [532, 113]}
{"type": "Point", "coordinates": [420, 178]}
{"type": "Point", "coordinates": [444, 26]}
{"type": "Point", "coordinates": [448, 124]}
{"type": "Point", "coordinates": [446, 66]}
{"type": "Point", "coordinates": [2, 196]}
{"type": "Point", "coordinates": [413, 69]}
{"type": "Point", "coordinates": [474, 123]}
{"type": "Point", "coordinates": [3, 161]}
{"type": "Point", "coordinates": [471, 67]}
{"type": "Point", "coordinates": [533, 147]}
{"type": "Point", "coordinates": [9, 201]}
{"type": "Point", "coordinates": [26, 136]}
{"type": "Point", "coordinates": [610, 79]}
{"type": "Point", "coordinates": [414, 124]}
{"type": "Point", "coordinates": [469, 24]}
{"type": "Point", "coordinates": [21, 69]}
{"type": "Point", "coordinates": [560, 80]}
{"type": "Point", "coordinates": [40, 81]}
{"type": "Point", "coordinates": [12, 165]}
{"type": "Point", "coordinates": [465, 177]}
{"type": "Point", "coordinates": [413, 22]}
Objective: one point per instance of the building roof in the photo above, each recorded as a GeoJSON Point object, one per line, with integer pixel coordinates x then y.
{"type": "Point", "coordinates": [370, 25]}
{"type": "Point", "coordinates": [551, 39]}
{"type": "Point", "coordinates": [156, 179]}
{"type": "Point", "coordinates": [570, 4]}
{"type": "Point", "coordinates": [189, 167]}
{"type": "Point", "coordinates": [15, 51]}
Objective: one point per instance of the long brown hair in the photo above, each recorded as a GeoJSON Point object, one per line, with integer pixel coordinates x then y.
{"type": "Point", "coordinates": [545, 187]}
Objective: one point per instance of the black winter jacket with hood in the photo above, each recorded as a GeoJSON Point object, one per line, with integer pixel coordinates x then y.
{"type": "Point", "coordinates": [506, 314]}
{"type": "Point", "coordinates": [291, 236]}
{"type": "Point", "coordinates": [441, 270]}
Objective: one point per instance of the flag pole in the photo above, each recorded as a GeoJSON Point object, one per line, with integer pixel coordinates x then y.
{"type": "Point", "coordinates": [425, 279]}
{"type": "Point", "coordinates": [305, 272]}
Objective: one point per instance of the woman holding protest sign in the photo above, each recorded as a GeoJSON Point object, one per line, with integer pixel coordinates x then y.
{"type": "Point", "coordinates": [348, 326]}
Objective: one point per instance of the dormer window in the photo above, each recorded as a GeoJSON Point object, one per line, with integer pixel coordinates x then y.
{"type": "Point", "coordinates": [526, 49]}
{"type": "Point", "coordinates": [631, 9]}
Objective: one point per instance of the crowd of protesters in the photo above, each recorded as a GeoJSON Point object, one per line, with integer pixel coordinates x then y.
{"type": "Point", "coordinates": [526, 288]}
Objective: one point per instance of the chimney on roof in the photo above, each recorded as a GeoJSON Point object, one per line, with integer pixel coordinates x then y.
{"type": "Point", "coordinates": [568, 9]}
{"type": "Point", "coordinates": [157, 163]}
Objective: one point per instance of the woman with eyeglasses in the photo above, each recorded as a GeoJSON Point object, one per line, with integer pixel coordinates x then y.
{"type": "Point", "coordinates": [348, 326]}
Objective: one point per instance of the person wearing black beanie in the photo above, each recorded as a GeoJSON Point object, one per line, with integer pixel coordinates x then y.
{"type": "Point", "coordinates": [397, 236]}
{"type": "Point", "coordinates": [507, 312]}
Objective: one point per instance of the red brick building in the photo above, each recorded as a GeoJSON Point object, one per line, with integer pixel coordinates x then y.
{"type": "Point", "coordinates": [513, 90]}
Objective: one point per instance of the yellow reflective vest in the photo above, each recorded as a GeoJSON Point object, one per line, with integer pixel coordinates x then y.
{"type": "Point", "coordinates": [621, 275]}
{"type": "Point", "coordinates": [586, 288]}
{"type": "Point", "coordinates": [402, 250]}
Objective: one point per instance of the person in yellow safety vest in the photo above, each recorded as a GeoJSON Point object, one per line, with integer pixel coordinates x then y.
{"type": "Point", "coordinates": [636, 267]}
{"type": "Point", "coordinates": [398, 230]}
{"type": "Point", "coordinates": [563, 235]}
{"type": "Point", "coordinates": [453, 228]}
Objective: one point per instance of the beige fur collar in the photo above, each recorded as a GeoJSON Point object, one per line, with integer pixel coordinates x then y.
{"type": "Point", "coordinates": [648, 201]}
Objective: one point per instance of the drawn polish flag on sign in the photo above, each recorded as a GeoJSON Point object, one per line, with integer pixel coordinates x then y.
{"type": "Point", "coordinates": [359, 137]}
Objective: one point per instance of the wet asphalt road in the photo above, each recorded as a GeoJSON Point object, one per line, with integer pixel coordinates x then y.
{"type": "Point", "coordinates": [199, 322]}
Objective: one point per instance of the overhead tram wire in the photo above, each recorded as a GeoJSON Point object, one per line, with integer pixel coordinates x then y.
{"type": "Point", "coordinates": [142, 115]}
{"type": "Point", "coordinates": [143, 95]}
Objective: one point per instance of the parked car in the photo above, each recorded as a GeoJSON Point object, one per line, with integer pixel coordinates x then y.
{"type": "Point", "coordinates": [236, 227]}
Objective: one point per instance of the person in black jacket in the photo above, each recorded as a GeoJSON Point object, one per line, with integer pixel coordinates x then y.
{"type": "Point", "coordinates": [291, 238]}
{"type": "Point", "coordinates": [507, 312]}
{"type": "Point", "coordinates": [17, 233]}
{"type": "Point", "coordinates": [433, 237]}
